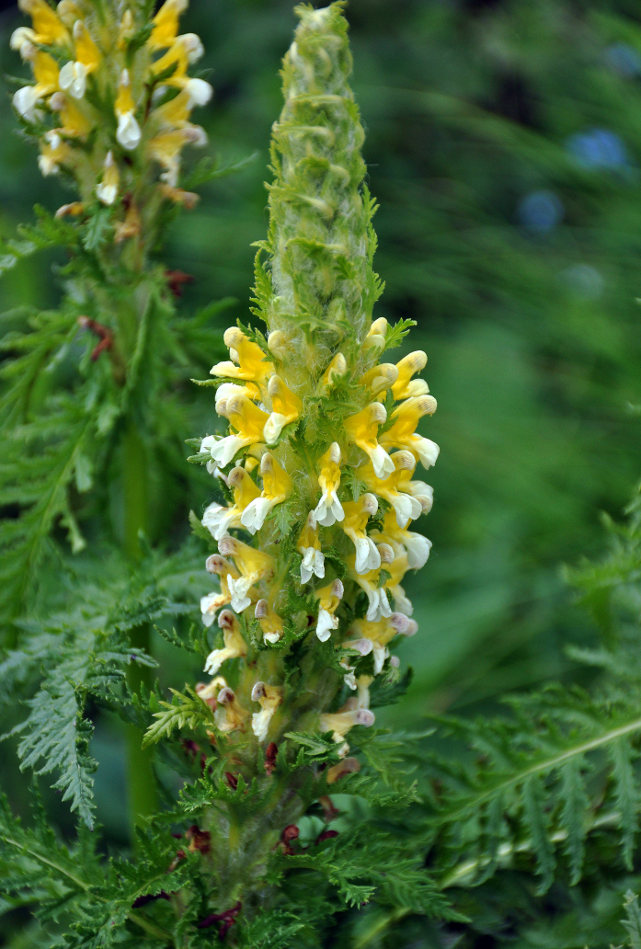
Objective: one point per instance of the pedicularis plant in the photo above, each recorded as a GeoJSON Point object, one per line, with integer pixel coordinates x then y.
{"type": "Point", "coordinates": [269, 809]}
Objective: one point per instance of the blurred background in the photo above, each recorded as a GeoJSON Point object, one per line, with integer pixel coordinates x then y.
{"type": "Point", "coordinates": [504, 147]}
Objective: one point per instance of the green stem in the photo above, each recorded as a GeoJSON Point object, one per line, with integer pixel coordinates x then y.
{"type": "Point", "coordinates": [141, 781]}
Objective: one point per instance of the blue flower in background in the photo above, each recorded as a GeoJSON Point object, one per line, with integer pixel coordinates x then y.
{"type": "Point", "coordinates": [624, 59]}
{"type": "Point", "coordinates": [598, 148]}
{"type": "Point", "coordinates": [540, 211]}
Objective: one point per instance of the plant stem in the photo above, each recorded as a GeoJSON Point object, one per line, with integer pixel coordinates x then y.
{"type": "Point", "coordinates": [141, 782]}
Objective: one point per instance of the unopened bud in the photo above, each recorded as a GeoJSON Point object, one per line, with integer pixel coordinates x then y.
{"type": "Point", "coordinates": [235, 477]}
{"type": "Point", "coordinates": [226, 619]}
{"type": "Point", "coordinates": [227, 545]}
{"type": "Point", "coordinates": [363, 716]}
{"type": "Point", "coordinates": [369, 503]}
{"type": "Point", "coordinates": [338, 589]}
{"type": "Point", "coordinates": [362, 646]}
{"type": "Point", "coordinates": [258, 692]}
{"type": "Point", "coordinates": [262, 609]}
{"type": "Point", "coordinates": [379, 412]}
{"type": "Point", "coordinates": [216, 564]}
{"type": "Point", "coordinates": [277, 343]}
{"type": "Point", "coordinates": [386, 552]}
{"type": "Point", "coordinates": [334, 453]}
{"type": "Point", "coordinates": [404, 460]}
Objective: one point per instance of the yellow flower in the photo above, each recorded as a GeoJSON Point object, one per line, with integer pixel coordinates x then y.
{"type": "Point", "coordinates": [107, 189]}
{"type": "Point", "coordinates": [46, 73]}
{"type": "Point", "coordinates": [234, 644]}
{"type": "Point", "coordinates": [313, 562]}
{"type": "Point", "coordinates": [402, 431]}
{"type": "Point", "coordinates": [340, 722]}
{"type": "Point", "coordinates": [405, 387]}
{"type": "Point", "coordinates": [286, 407]}
{"type": "Point", "coordinates": [336, 369]}
{"type": "Point", "coordinates": [74, 122]}
{"type": "Point", "coordinates": [357, 514]}
{"type": "Point", "coordinates": [85, 49]}
{"type": "Point", "coordinates": [405, 543]}
{"type": "Point", "coordinates": [329, 509]}
{"type": "Point", "coordinates": [250, 561]}
{"type": "Point", "coordinates": [277, 486]}
{"type": "Point", "coordinates": [376, 334]}
{"type": "Point", "coordinates": [379, 377]}
{"type": "Point", "coordinates": [328, 598]}
{"type": "Point", "coordinates": [229, 715]}
{"type": "Point", "coordinates": [248, 361]}
{"type": "Point", "coordinates": [166, 146]}
{"type": "Point", "coordinates": [362, 429]}
{"type": "Point", "coordinates": [378, 634]}
{"type": "Point", "coordinates": [175, 113]}
{"type": "Point", "coordinates": [165, 24]}
{"type": "Point", "coordinates": [186, 49]}
{"type": "Point", "coordinates": [53, 153]}
{"type": "Point", "coordinates": [376, 594]}
{"type": "Point", "coordinates": [219, 519]}
{"type": "Point", "coordinates": [128, 133]}
{"type": "Point", "coordinates": [269, 697]}
{"type": "Point", "coordinates": [396, 489]}
{"type": "Point", "coordinates": [270, 622]}
{"type": "Point", "coordinates": [48, 28]}
{"type": "Point", "coordinates": [246, 418]}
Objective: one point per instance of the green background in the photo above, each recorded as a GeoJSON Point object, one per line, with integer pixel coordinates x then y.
{"type": "Point", "coordinates": [503, 144]}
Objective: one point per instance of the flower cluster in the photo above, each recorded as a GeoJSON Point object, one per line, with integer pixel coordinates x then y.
{"type": "Point", "coordinates": [349, 506]}
{"type": "Point", "coordinates": [318, 464]}
{"type": "Point", "coordinates": [110, 100]}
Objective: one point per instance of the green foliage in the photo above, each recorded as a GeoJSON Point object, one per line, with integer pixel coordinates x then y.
{"type": "Point", "coordinates": [185, 712]}
{"type": "Point", "coordinates": [535, 367]}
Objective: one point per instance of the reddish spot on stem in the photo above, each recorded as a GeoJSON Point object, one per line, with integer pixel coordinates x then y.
{"type": "Point", "coordinates": [226, 920]}
{"type": "Point", "coordinates": [176, 279]}
{"type": "Point", "coordinates": [270, 757]}
{"type": "Point", "coordinates": [104, 334]}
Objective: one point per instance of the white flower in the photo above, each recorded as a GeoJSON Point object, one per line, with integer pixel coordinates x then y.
{"type": "Point", "coordinates": [209, 606]}
{"type": "Point", "coordinates": [381, 462]}
{"type": "Point", "coordinates": [25, 101]}
{"type": "Point", "coordinates": [313, 564]}
{"type": "Point", "coordinates": [238, 589]}
{"type": "Point", "coordinates": [193, 46]}
{"type": "Point", "coordinates": [253, 517]}
{"type": "Point", "coordinates": [73, 79]}
{"type": "Point", "coordinates": [128, 133]}
{"type": "Point", "coordinates": [274, 426]}
{"type": "Point", "coordinates": [217, 519]}
{"type": "Point", "coordinates": [367, 555]}
{"type": "Point", "coordinates": [328, 510]}
{"type": "Point", "coordinates": [378, 603]}
{"type": "Point", "coordinates": [216, 658]}
{"type": "Point", "coordinates": [325, 624]}
{"type": "Point", "coordinates": [222, 450]}
{"type": "Point", "coordinates": [417, 548]}
{"type": "Point", "coordinates": [426, 449]}
{"type": "Point", "coordinates": [198, 91]}
{"type": "Point", "coordinates": [407, 508]}
{"type": "Point", "coordinates": [23, 40]}
{"type": "Point", "coordinates": [424, 493]}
